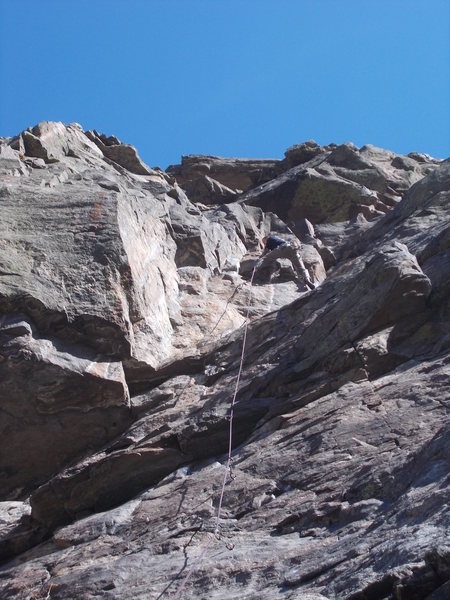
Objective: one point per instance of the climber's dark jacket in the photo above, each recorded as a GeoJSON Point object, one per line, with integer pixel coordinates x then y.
{"type": "Point", "coordinates": [275, 248]}
{"type": "Point", "coordinates": [273, 242]}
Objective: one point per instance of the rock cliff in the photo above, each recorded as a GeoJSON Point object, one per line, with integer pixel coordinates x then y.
{"type": "Point", "coordinates": [123, 303]}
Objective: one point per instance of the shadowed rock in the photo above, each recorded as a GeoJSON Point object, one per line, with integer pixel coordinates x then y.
{"type": "Point", "coordinates": [57, 401]}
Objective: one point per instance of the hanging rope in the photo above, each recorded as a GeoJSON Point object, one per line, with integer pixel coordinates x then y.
{"type": "Point", "coordinates": [230, 445]}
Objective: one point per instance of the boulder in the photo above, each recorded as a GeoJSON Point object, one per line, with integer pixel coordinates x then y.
{"type": "Point", "coordinates": [302, 153]}
{"type": "Point", "coordinates": [347, 155]}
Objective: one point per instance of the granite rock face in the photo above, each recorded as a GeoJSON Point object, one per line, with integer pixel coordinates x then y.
{"type": "Point", "coordinates": [123, 299]}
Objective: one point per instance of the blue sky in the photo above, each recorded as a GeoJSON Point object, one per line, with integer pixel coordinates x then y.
{"type": "Point", "coordinates": [230, 77]}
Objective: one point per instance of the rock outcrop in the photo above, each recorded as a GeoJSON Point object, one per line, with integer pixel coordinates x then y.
{"type": "Point", "coordinates": [338, 183]}
{"type": "Point", "coordinates": [323, 184]}
{"type": "Point", "coordinates": [213, 179]}
{"type": "Point", "coordinates": [123, 299]}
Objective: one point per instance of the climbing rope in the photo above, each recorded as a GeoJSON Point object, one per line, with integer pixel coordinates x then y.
{"type": "Point", "coordinates": [206, 545]}
{"type": "Point", "coordinates": [225, 309]}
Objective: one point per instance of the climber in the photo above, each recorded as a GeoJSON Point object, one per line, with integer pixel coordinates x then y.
{"type": "Point", "coordinates": [275, 247]}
